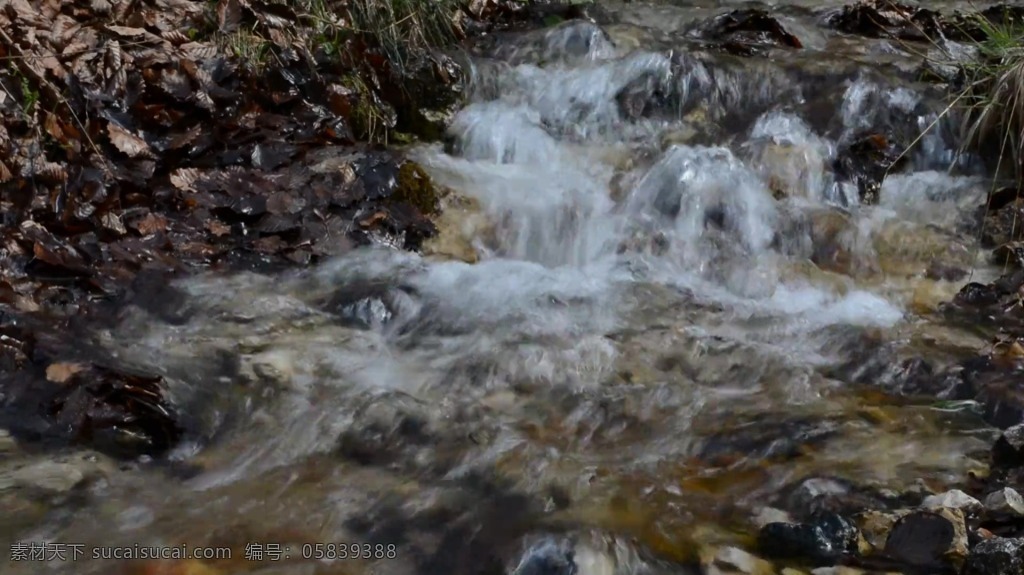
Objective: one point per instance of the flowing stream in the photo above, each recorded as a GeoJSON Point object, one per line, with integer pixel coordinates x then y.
{"type": "Point", "coordinates": [667, 295]}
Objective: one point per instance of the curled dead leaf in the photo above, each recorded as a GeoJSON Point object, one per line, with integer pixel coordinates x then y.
{"type": "Point", "coordinates": [373, 219]}
{"type": "Point", "coordinates": [199, 50]}
{"type": "Point", "coordinates": [150, 224]}
{"type": "Point", "coordinates": [218, 228]}
{"type": "Point", "coordinates": [184, 178]}
{"type": "Point", "coordinates": [229, 15]}
{"type": "Point", "coordinates": [175, 37]}
{"type": "Point", "coordinates": [126, 31]}
{"type": "Point", "coordinates": [112, 222]}
{"type": "Point", "coordinates": [175, 84]}
{"type": "Point", "coordinates": [62, 372]}
{"type": "Point", "coordinates": [128, 142]}
{"type": "Point", "coordinates": [51, 173]}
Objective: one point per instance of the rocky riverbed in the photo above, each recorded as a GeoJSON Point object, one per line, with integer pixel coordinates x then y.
{"type": "Point", "coordinates": [681, 290]}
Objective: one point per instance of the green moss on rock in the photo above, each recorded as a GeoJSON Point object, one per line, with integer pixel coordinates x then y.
{"type": "Point", "coordinates": [417, 189]}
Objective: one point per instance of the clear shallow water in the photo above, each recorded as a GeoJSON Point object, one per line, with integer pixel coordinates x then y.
{"type": "Point", "coordinates": [642, 333]}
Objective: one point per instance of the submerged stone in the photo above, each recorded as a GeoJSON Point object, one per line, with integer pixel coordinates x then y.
{"type": "Point", "coordinates": [928, 539]}
{"type": "Point", "coordinates": [1008, 450]}
{"type": "Point", "coordinates": [952, 499]}
{"type": "Point", "coordinates": [748, 32]}
{"type": "Point", "coordinates": [1005, 502]}
{"type": "Point", "coordinates": [998, 556]}
{"type": "Point", "coordinates": [547, 558]}
{"type": "Point", "coordinates": [1004, 225]}
{"type": "Point", "coordinates": [866, 160]}
{"type": "Point", "coordinates": [734, 561]}
{"type": "Point", "coordinates": [798, 541]}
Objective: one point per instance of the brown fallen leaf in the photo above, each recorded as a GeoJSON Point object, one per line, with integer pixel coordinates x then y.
{"type": "Point", "coordinates": [184, 178]}
{"type": "Point", "coordinates": [269, 244]}
{"type": "Point", "coordinates": [229, 15]}
{"type": "Point", "coordinates": [128, 142]}
{"type": "Point", "coordinates": [175, 37]}
{"type": "Point", "coordinates": [112, 222]}
{"type": "Point", "coordinates": [150, 224]}
{"type": "Point", "coordinates": [126, 31]}
{"type": "Point", "coordinates": [62, 372]}
{"type": "Point", "coordinates": [218, 228]}
{"type": "Point", "coordinates": [373, 219]}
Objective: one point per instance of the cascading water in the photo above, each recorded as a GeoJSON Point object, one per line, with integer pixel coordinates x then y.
{"type": "Point", "coordinates": [670, 261]}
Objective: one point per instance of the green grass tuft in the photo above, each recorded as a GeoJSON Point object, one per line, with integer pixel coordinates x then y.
{"type": "Point", "coordinates": [401, 26]}
{"type": "Point", "coordinates": [993, 95]}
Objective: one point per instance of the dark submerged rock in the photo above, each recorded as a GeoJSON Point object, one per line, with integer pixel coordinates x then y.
{"type": "Point", "coordinates": [122, 413]}
{"type": "Point", "coordinates": [926, 539]}
{"type": "Point", "coordinates": [940, 271]}
{"type": "Point", "coordinates": [477, 525]}
{"type": "Point", "coordinates": [747, 32]}
{"type": "Point", "coordinates": [548, 557]}
{"type": "Point", "coordinates": [812, 497]}
{"type": "Point", "coordinates": [1008, 450]}
{"type": "Point", "coordinates": [998, 556]}
{"type": "Point", "coordinates": [1002, 396]}
{"type": "Point", "coordinates": [823, 541]}
{"type": "Point", "coordinates": [1009, 254]}
{"type": "Point", "coordinates": [866, 160]}
{"type": "Point", "coordinates": [1004, 225]}
{"type": "Point", "coordinates": [887, 19]}
{"type": "Point", "coordinates": [773, 440]}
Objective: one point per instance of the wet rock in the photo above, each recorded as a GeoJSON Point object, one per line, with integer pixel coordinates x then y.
{"type": "Point", "coordinates": [1005, 502]}
{"type": "Point", "coordinates": [547, 558]}
{"type": "Point", "coordinates": [792, 166]}
{"type": "Point", "coordinates": [796, 541]}
{"type": "Point", "coordinates": [928, 539]}
{"type": "Point", "coordinates": [503, 15]}
{"type": "Point", "coordinates": [461, 226]}
{"type": "Point", "coordinates": [977, 294]}
{"type": "Point", "coordinates": [767, 515]}
{"type": "Point", "coordinates": [1009, 254]}
{"type": "Point", "coordinates": [766, 439]}
{"type": "Point", "coordinates": [908, 249]}
{"type": "Point", "coordinates": [1003, 400]}
{"type": "Point", "coordinates": [866, 160]}
{"type": "Point", "coordinates": [940, 271]}
{"type": "Point", "coordinates": [1004, 225]}
{"type": "Point", "coordinates": [822, 541]}
{"type": "Point", "coordinates": [644, 96]}
{"type": "Point", "coordinates": [426, 94]}
{"type": "Point", "coordinates": [366, 305]}
{"type": "Point", "coordinates": [122, 413]}
{"type": "Point", "coordinates": [952, 499]}
{"type": "Point", "coordinates": [46, 475]}
{"type": "Point", "coordinates": [875, 526]}
{"type": "Point", "coordinates": [1008, 450]}
{"type": "Point", "coordinates": [886, 19]}
{"type": "Point", "coordinates": [833, 238]}
{"type": "Point", "coordinates": [733, 561]}
{"type": "Point", "coordinates": [884, 369]}
{"type": "Point", "coordinates": [55, 474]}
{"type": "Point", "coordinates": [747, 32]}
{"type": "Point", "coordinates": [383, 428]}
{"type": "Point", "coordinates": [813, 496]}
{"type": "Point", "coordinates": [998, 556]}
